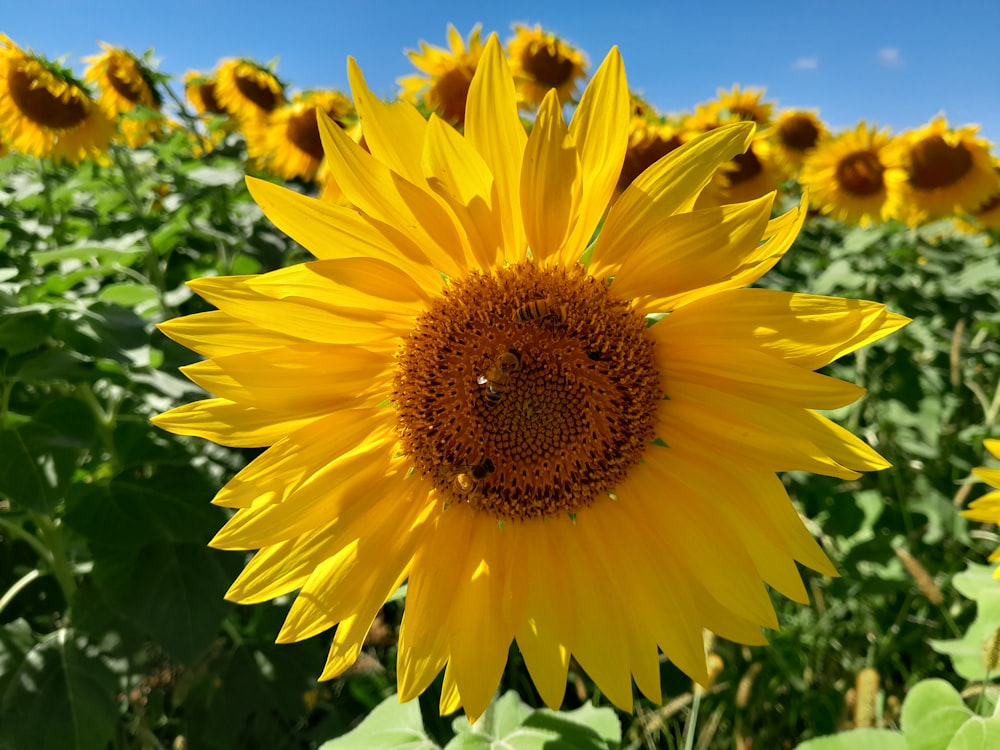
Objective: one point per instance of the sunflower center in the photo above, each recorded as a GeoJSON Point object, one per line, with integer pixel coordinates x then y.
{"type": "Point", "coordinates": [207, 93]}
{"type": "Point", "coordinates": [799, 133]}
{"type": "Point", "coordinates": [42, 106]}
{"type": "Point", "coordinates": [527, 393]}
{"type": "Point", "coordinates": [118, 79]}
{"type": "Point", "coordinates": [644, 154]}
{"type": "Point", "coordinates": [304, 133]}
{"type": "Point", "coordinates": [545, 64]}
{"type": "Point", "coordinates": [451, 90]}
{"type": "Point", "coordinates": [257, 92]}
{"type": "Point", "coordinates": [861, 173]}
{"type": "Point", "coordinates": [936, 164]}
{"type": "Point", "coordinates": [748, 166]}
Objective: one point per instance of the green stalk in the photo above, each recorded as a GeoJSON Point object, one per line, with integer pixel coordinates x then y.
{"type": "Point", "coordinates": [154, 269]}
{"type": "Point", "coordinates": [51, 534]}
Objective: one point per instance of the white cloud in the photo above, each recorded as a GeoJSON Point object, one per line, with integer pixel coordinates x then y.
{"type": "Point", "coordinates": [890, 57]}
{"type": "Point", "coordinates": [806, 63]}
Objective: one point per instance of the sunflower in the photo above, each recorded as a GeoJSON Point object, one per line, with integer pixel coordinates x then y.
{"type": "Point", "coordinates": [541, 61]}
{"type": "Point", "coordinates": [46, 112]}
{"type": "Point", "coordinates": [750, 175]}
{"type": "Point", "coordinates": [452, 398]}
{"type": "Point", "coordinates": [794, 135]}
{"type": "Point", "coordinates": [949, 171]}
{"type": "Point", "coordinates": [648, 141]}
{"type": "Point", "coordinates": [448, 73]}
{"type": "Point", "coordinates": [247, 90]}
{"type": "Point", "coordinates": [288, 142]}
{"type": "Point", "coordinates": [856, 177]}
{"type": "Point", "coordinates": [986, 509]}
{"type": "Point", "coordinates": [743, 104]}
{"type": "Point", "coordinates": [987, 214]}
{"type": "Point", "coordinates": [125, 82]}
{"type": "Point", "coordinates": [199, 90]}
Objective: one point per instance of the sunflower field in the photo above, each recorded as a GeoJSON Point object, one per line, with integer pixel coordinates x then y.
{"type": "Point", "coordinates": [513, 413]}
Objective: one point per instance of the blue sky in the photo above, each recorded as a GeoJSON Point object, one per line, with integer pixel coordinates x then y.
{"type": "Point", "coordinates": [895, 62]}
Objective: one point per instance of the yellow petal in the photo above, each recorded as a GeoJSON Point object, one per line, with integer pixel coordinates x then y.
{"type": "Point", "coordinates": [494, 128]}
{"type": "Point", "coordinates": [303, 317]}
{"type": "Point", "coordinates": [807, 330]}
{"type": "Point", "coordinates": [669, 186]}
{"type": "Point", "coordinates": [216, 334]}
{"type": "Point", "coordinates": [302, 380]}
{"type": "Point", "coordinates": [366, 284]}
{"type": "Point", "coordinates": [458, 174]}
{"type": "Point", "coordinates": [551, 183]}
{"type": "Point", "coordinates": [389, 198]}
{"type": "Point", "coordinates": [692, 250]}
{"type": "Point", "coordinates": [227, 423]}
{"type": "Point", "coordinates": [599, 129]}
{"type": "Point", "coordinates": [329, 232]}
{"type": "Point", "coordinates": [275, 474]}
{"type": "Point", "coordinates": [394, 132]}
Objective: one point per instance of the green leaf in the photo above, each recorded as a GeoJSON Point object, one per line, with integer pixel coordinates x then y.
{"type": "Point", "coordinates": [128, 294]}
{"type": "Point", "coordinates": [977, 583]}
{"type": "Point", "coordinates": [520, 727]}
{"type": "Point", "coordinates": [390, 724]}
{"type": "Point", "coordinates": [932, 712]}
{"type": "Point", "coordinates": [171, 591]}
{"type": "Point", "coordinates": [16, 640]}
{"type": "Point", "coordinates": [217, 176]}
{"type": "Point", "coordinates": [51, 366]}
{"type": "Point", "coordinates": [23, 480]}
{"type": "Point", "coordinates": [62, 695]}
{"type": "Point", "coordinates": [857, 739]}
{"type": "Point", "coordinates": [977, 734]}
{"type": "Point", "coordinates": [23, 330]}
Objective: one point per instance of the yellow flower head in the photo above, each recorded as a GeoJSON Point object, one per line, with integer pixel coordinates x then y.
{"type": "Point", "coordinates": [125, 82]}
{"type": "Point", "coordinates": [948, 170]}
{"type": "Point", "coordinates": [45, 112]}
{"type": "Point", "coordinates": [986, 509]}
{"type": "Point", "coordinates": [749, 176]}
{"type": "Point", "coordinates": [461, 394]}
{"type": "Point", "coordinates": [987, 214]}
{"type": "Point", "coordinates": [541, 61]}
{"type": "Point", "coordinates": [247, 90]}
{"type": "Point", "coordinates": [795, 134]}
{"type": "Point", "coordinates": [742, 104]}
{"type": "Point", "coordinates": [199, 90]}
{"type": "Point", "coordinates": [287, 143]}
{"type": "Point", "coordinates": [447, 74]}
{"type": "Point", "coordinates": [856, 177]}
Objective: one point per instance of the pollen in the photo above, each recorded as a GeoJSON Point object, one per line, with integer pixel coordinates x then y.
{"type": "Point", "coordinates": [526, 393]}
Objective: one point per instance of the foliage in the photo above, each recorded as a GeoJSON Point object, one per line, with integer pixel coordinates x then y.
{"type": "Point", "coordinates": [113, 627]}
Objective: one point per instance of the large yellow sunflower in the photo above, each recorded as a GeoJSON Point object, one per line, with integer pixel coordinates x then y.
{"type": "Point", "coordinates": [948, 170]}
{"type": "Point", "coordinates": [247, 90]}
{"type": "Point", "coordinates": [447, 74]}
{"type": "Point", "coordinates": [452, 398]}
{"type": "Point", "coordinates": [987, 215]}
{"type": "Point", "coordinates": [986, 509]}
{"type": "Point", "coordinates": [856, 177]}
{"type": "Point", "coordinates": [541, 61]}
{"type": "Point", "coordinates": [125, 82]}
{"type": "Point", "coordinates": [45, 112]}
{"type": "Point", "coordinates": [287, 143]}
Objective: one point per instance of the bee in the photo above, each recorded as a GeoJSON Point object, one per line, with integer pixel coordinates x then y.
{"type": "Point", "coordinates": [497, 377]}
{"type": "Point", "coordinates": [467, 480]}
{"type": "Point", "coordinates": [541, 309]}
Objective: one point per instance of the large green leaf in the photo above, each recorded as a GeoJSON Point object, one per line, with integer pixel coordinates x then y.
{"type": "Point", "coordinates": [932, 712]}
{"type": "Point", "coordinates": [390, 724]}
{"type": "Point", "coordinates": [977, 734]}
{"type": "Point", "coordinates": [857, 739]}
{"type": "Point", "coordinates": [61, 696]}
{"type": "Point", "coordinates": [172, 591]}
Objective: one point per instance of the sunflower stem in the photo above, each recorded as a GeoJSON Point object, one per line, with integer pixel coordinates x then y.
{"type": "Point", "coordinates": [189, 119]}
{"type": "Point", "coordinates": [154, 270]}
{"type": "Point", "coordinates": [105, 419]}
{"type": "Point", "coordinates": [51, 534]}
{"type": "Point", "coordinates": [55, 220]}
{"type": "Point", "coordinates": [692, 722]}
